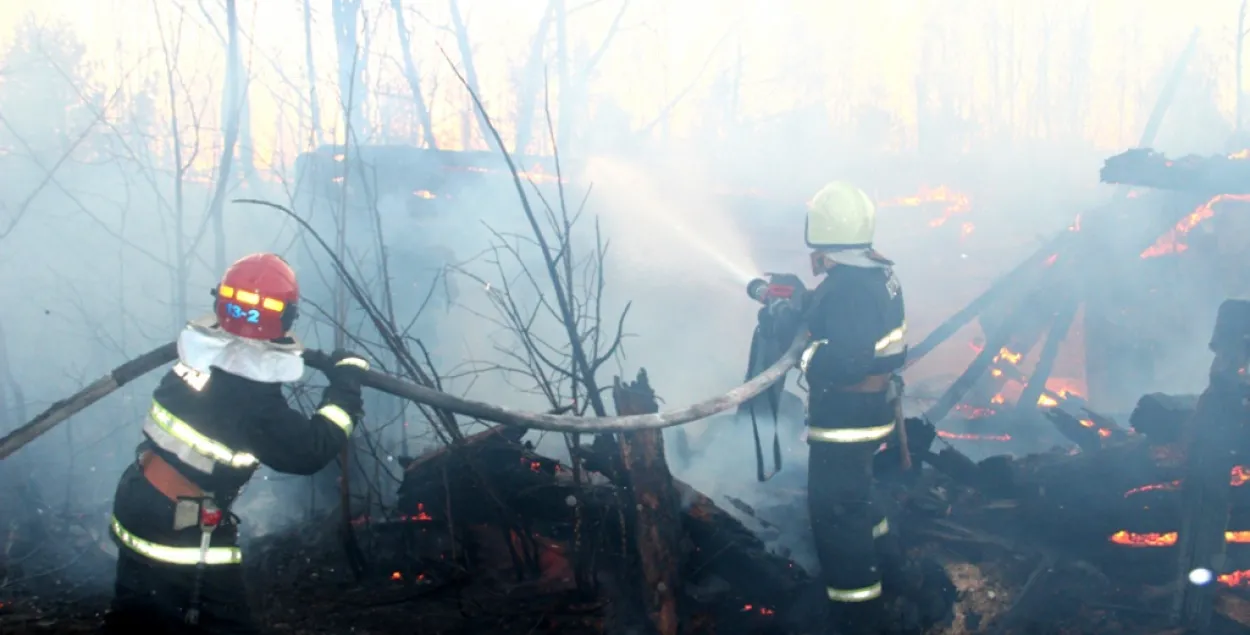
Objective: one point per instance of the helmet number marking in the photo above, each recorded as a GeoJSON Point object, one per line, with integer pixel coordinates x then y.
{"type": "Point", "coordinates": [236, 311]}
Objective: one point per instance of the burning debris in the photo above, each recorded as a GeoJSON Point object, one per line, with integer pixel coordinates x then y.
{"type": "Point", "coordinates": [950, 203]}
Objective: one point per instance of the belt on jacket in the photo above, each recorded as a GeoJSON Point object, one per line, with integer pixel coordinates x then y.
{"type": "Point", "coordinates": [166, 479]}
{"type": "Point", "coordinates": [871, 383]}
{"type": "Point", "coordinates": [872, 434]}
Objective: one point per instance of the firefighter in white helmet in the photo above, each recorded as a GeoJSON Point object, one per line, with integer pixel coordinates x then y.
{"type": "Point", "coordinates": [858, 345]}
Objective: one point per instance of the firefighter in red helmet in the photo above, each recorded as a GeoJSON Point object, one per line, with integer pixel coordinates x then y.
{"type": "Point", "coordinates": [215, 418]}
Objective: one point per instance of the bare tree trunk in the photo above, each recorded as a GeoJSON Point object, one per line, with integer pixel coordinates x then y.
{"type": "Point", "coordinates": [351, 68]}
{"type": "Point", "coordinates": [470, 70]}
{"type": "Point", "coordinates": [314, 104]}
{"type": "Point", "coordinates": [181, 258]}
{"type": "Point", "coordinates": [656, 505]}
{"type": "Point", "coordinates": [565, 103]}
{"type": "Point", "coordinates": [230, 135]}
{"type": "Point", "coordinates": [1241, 40]}
{"type": "Point", "coordinates": [1041, 97]}
{"type": "Point", "coordinates": [413, 76]}
{"type": "Point", "coordinates": [237, 99]}
{"type": "Point", "coordinates": [527, 92]}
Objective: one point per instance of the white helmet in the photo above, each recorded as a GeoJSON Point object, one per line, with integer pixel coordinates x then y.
{"type": "Point", "coordinates": [840, 215]}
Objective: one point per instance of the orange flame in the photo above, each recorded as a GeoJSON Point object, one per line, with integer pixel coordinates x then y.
{"type": "Point", "coordinates": [954, 203]}
{"type": "Point", "coordinates": [1006, 354]}
{"type": "Point", "coordinates": [1236, 578]}
{"type": "Point", "coordinates": [1173, 241]}
{"type": "Point", "coordinates": [1240, 154]}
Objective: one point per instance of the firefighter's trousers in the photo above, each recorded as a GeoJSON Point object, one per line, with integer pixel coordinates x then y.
{"type": "Point", "coordinates": [844, 432]}
{"type": "Point", "coordinates": [156, 570]}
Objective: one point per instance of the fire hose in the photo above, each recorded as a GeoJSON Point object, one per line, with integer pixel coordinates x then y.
{"type": "Point", "coordinates": [160, 356]}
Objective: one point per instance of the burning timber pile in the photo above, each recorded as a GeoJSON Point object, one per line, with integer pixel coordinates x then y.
{"type": "Point", "coordinates": [490, 537]}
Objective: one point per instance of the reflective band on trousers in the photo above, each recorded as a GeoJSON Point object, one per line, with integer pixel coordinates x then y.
{"type": "Point", "coordinates": [882, 528]}
{"type": "Point", "coordinates": [176, 555]}
{"type": "Point", "coordinates": [850, 435]}
{"type": "Point", "coordinates": [854, 595]}
{"type": "Point", "coordinates": [337, 416]}
{"type": "Point", "coordinates": [196, 450]}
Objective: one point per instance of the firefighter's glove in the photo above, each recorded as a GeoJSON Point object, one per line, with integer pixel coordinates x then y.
{"type": "Point", "coordinates": [345, 377]}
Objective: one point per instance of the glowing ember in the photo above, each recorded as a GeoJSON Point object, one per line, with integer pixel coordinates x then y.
{"type": "Point", "coordinates": [1238, 476]}
{"type": "Point", "coordinates": [1130, 539]}
{"type": "Point", "coordinates": [420, 517]}
{"type": "Point", "coordinates": [964, 436]}
{"type": "Point", "coordinates": [396, 576]}
{"type": "Point", "coordinates": [1236, 578]}
{"type": "Point", "coordinates": [1046, 401]}
{"type": "Point", "coordinates": [1008, 355]}
{"type": "Point", "coordinates": [1167, 487]}
{"type": "Point", "coordinates": [1173, 241]}
{"type": "Point", "coordinates": [972, 412]}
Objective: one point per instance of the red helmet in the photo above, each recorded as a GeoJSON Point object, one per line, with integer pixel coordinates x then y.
{"type": "Point", "coordinates": [257, 297]}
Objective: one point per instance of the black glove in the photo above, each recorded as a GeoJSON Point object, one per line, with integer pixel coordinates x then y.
{"type": "Point", "coordinates": [344, 376]}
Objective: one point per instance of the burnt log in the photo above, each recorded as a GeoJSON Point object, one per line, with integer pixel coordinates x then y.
{"type": "Point", "coordinates": [1209, 175]}
{"type": "Point", "coordinates": [656, 522]}
{"type": "Point", "coordinates": [442, 508]}
{"type": "Point", "coordinates": [1212, 438]}
{"type": "Point", "coordinates": [1162, 417]}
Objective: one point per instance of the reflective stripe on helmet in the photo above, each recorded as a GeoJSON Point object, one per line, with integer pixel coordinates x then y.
{"type": "Point", "coordinates": [864, 594]}
{"type": "Point", "coordinates": [338, 416]}
{"type": "Point", "coordinates": [850, 435]}
{"type": "Point", "coordinates": [894, 343]}
{"type": "Point", "coordinates": [175, 555]}
{"type": "Point", "coordinates": [882, 528]}
{"type": "Point", "coordinates": [177, 437]}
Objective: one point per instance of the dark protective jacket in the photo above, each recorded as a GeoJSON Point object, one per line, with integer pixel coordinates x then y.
{"type": "Point", "coordinates": [215, 427]}
{"type": "Point", "coordinates": [862, 322]}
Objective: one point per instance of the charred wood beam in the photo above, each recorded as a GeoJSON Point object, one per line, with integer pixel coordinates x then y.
{"type": "Point", "coordinates": [1002, 287]}
{"type": "Point", "coordinates": [656, 517]}
{"type": "Point", "coordinates": [1050, 350]}
{"type": "Point", "coordinates": [1211, 440]}
{"type": "Point", "coordinates": [995, 341]}
{"type": "Point", "coordinates": [1208, 176]}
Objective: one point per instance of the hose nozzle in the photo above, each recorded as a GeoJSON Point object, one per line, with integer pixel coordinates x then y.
{"type": "Point", "coordinates": [757, 289]}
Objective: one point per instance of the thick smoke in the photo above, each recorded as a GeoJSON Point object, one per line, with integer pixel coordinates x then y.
{"type": "Point", "coordinates": [105, 248]}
